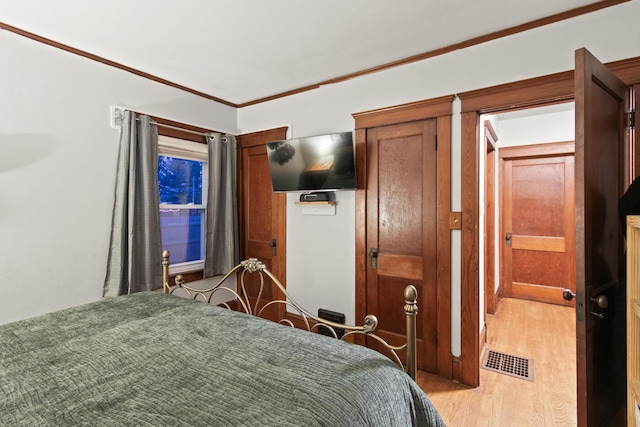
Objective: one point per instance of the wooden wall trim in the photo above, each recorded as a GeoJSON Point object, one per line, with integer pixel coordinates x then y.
{"type": "Point", "coordinates": [538, 150]}
{"type": "Point", "coordinates": [416, 58]}
{"type": "Point", "coordinates": [261, 137]}
{"type": "Point", "coordinates": [549, 89]}
{"type": "Point", "coordinates": [482, 339]}
{"type": "Point", "coordinates": [174, 129]}
{"type": "Point", "coordinates": [455, 363]}
{"type": "Point", "coordinates": [179, 130]}
{"type": "Point", "coordinates": [490, 142]}
{"type": "Point", "coordinates": [451, 48]}
{"type": "Point", "coordinates": [491, 137]}
{"type": "Point", "coordinates": [403, 113]}
{"type": "Point", "coordinates": [627, 70]}
{"type": "Point", "coordinates": [469, 248]}
{"type": "Point", "coordinates": [110, 63]}
{"type": "Point", "coordinates": [443, 250]}
{"type": "Point", "coordinates": [361, 225]}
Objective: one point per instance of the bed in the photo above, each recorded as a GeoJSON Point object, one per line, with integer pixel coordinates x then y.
{"type": "Point", "coordinates": [155, 359]}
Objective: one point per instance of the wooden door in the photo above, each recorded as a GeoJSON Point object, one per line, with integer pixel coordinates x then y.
{"type": "Point", "coordinates": [601, 101]}
{"type": "Point", "coordinates": [263, 214]}
{"type": "Point", "coordinates": [538, 245]}
{"type": "Point", "coordinates": [401, 230]}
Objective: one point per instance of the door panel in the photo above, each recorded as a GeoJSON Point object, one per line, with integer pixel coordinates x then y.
{"type": "Point", "coordinates": [401, 226]}
{"type": "Point", "coordinates": [538, 211]}
{"type": "Point", "coordinates": [601, 100]}
{"type": "Point", "coordinates": [405, 266]}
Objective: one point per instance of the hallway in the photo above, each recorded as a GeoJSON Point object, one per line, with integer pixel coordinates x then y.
{"type": "Point", "coordinates": [544, 333]}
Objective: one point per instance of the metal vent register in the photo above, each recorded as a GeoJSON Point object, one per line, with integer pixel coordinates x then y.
{"type": "Point", "coordinates": [503, 363]}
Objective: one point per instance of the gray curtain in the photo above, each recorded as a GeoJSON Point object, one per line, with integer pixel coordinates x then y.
{"type": "Point", "coordinates": [135, 252]}
{"type": "Point", "coordinates": [222, 208]}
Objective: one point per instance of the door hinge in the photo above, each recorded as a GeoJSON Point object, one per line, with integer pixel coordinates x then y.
{"type": "Point", "coordinates": [630, 119]}
{"type": "Point", "coordinates": [436, 142]}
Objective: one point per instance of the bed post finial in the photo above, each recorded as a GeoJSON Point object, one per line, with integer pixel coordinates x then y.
{"type": "Point", "coordinates": [165, 271]}
{"type": "Point", "coordinates": [411, 311]}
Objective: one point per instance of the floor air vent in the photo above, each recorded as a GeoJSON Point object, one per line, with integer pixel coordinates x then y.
{"type": "Point", "coordinates": [515, 366]}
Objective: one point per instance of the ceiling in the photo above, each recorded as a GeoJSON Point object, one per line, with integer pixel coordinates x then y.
{"type": "Point", "coordinates": [241, 51]}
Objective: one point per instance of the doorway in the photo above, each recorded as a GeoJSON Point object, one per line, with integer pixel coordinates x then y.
{"type": "Point", "coordinates": [529, 186]}
{"type": "Point", "coordinates": [527, 216]}
{"type": "Point", "coordinates": [601, 93]}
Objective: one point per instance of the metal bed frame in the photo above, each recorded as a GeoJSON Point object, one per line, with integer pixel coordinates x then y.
{"type": "Point", "coordinates": [311, 322]}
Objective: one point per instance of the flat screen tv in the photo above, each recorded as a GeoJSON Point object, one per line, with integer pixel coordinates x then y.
{"type": "Point", "coordinates": [313, 163]}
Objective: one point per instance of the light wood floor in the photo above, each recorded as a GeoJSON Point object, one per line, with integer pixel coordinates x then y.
{"type": "Point", "coordinates": [544, 333]}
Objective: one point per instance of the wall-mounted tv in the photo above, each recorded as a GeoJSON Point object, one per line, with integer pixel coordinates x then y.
{"type": "Point", "coordinates": [313, 163]}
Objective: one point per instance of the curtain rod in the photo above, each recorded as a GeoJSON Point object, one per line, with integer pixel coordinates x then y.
{"type": "Point", "coordinates": [195, 132]}
{"type": "Point", "coordinates": [117, 114]}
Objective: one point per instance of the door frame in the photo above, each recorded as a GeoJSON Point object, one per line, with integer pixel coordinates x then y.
{"type": "Point", "coordinates": [536, 92]}
{"type": "Point", "coordinates": [491, 294]}
{"type": "Point", "coordinates": [441, 110]}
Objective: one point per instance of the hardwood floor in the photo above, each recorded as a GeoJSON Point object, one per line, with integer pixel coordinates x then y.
{"type": "Point", "coordinates": [542, 332]}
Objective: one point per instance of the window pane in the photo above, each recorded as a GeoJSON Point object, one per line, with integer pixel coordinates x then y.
{"type": "Point", "coordinates": [182, 233]}
{"type": "Point", "coordinates": [179, 181]}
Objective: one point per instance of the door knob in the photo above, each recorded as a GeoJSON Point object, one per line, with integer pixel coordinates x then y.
{"type": "Point", "coordinates": [567, 295]}
{"type": "Point", "coordinates": [373, 257]}
{"type": "Point", "coordinates": [507, 238]}
{"type": "Point", "coordinates": [273, 245]}
{"type": "Point", "coordinates": [601, 301]}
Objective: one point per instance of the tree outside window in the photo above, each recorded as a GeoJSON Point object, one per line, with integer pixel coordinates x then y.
{"type": "Point", "coordinates": [182, 208]}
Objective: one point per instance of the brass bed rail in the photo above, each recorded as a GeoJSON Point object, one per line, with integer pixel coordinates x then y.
{"type": "Point", "coordinates": [311, 322]}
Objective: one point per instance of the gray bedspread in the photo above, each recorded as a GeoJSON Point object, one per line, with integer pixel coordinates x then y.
{"type": "Point", "coordinates": [151, 359]}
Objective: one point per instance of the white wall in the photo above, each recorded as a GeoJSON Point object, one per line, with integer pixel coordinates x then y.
{"type": "Point", "coordinates": [57, 169]}
{"type": "Point", "coordinates": [543, 125]}
{"type": "Point", "coordinates": [610, 34]}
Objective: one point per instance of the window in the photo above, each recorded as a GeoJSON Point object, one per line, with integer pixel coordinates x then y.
{"type": "Point", "coordinates": [182, 186]}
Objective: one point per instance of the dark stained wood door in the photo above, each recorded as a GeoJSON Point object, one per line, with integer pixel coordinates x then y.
{"type": "Point", "coordinates": [538, 247]}
{"type": "Point", "coordinates": [401, 230]}
{"type": "Point", "coordinates": [263, 214]}
{"type": "Point", "coordinates": [601, 101]}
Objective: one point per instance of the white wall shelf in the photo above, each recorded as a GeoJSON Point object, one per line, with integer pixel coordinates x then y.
{"type": "Point", "coordinates": [329, 202]}
{"type": "Point", "coordinates": [318, 208]}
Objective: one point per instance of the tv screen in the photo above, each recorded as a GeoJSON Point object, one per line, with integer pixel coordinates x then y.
{"type": "Point", "coordinates": [313, 163]}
